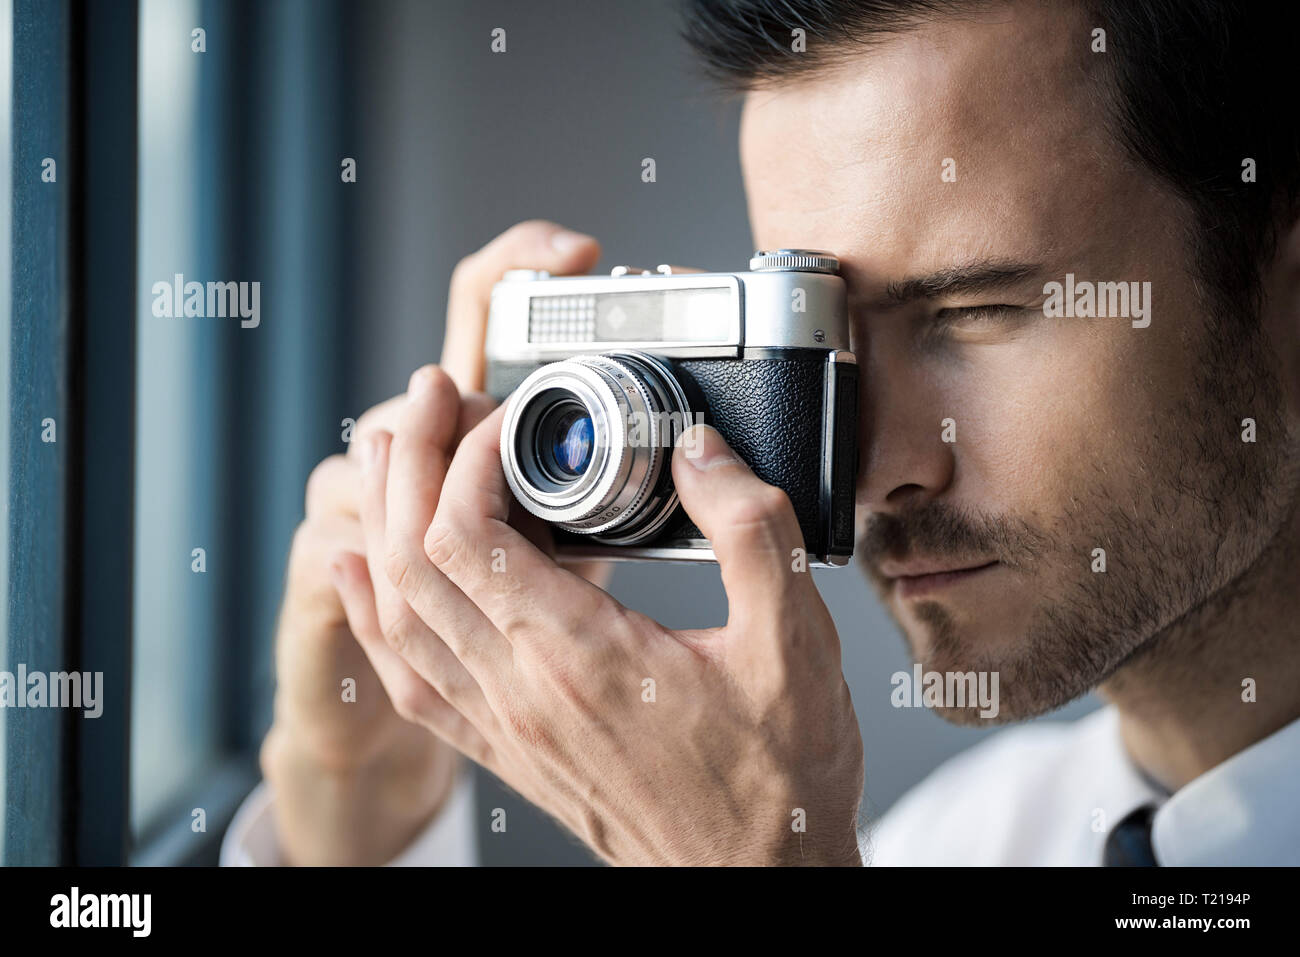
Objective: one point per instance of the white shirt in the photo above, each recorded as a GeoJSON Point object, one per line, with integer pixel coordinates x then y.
{"type": "Point", "coordinates": [448, 841]}
{"type": "Point", "coordinates": [1042, 794]}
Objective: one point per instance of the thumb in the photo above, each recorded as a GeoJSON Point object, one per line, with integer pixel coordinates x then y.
{"type": "Point", "coordinates": [752, 526]}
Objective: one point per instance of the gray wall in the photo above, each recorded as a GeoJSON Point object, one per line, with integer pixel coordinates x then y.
{"type": "Point", "coordinates": [458, 144]}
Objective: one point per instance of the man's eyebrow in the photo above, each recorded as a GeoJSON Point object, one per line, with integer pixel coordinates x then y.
{"type": "Point", "coordinates": [979, 276]}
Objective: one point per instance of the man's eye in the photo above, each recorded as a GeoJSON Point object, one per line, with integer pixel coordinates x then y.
{"type": "Point", "coordinates": [975, 314]}
{"type": "Point", "coordinates": [987, 318]}
{"type": "Point", "coordinates": [978, 323]}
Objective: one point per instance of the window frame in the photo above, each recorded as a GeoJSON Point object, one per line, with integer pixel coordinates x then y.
{"type": "Point", "coordinates": [73, 357]}
{"type": "Point", "coordinates": [72, 342]}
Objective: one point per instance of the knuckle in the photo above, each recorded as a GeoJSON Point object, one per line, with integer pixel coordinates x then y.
{"type": "Point", "coordinates": [408, 701]}
{"type": "Point", "coordinates": [764, 507]}
{"type": "Point", "coordinates": [467, 275]}
{"type": "Point", "coordinates": [399, 567]}
{"type": "Point", "coordinates": [303, 538]}
{"type": "Point", "coordinates": [403, 631]}
{"type": "Point", "coordinates": [474, 274]}
{"type": "Point", "coordinates": [441, 384]}
{"type": "Point", "coordinates": [444, 386]}
{"type": "Point", "coordinates": [366, 423]}
{"type": "Point", "coordinates": [397, 637]}
{"type": "Point", "coordinates": [444, 545]}
{"type": "Point", "coordinates": [526, 229]}
{"type": "Point", "coordinates": [328, 473]}
{"type": "Point", "coordinates": [513, 621]}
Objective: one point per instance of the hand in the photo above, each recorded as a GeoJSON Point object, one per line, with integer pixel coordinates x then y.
{"type": "Point", "coordinates": [735, 744]}
{"type": "Point", "coordinates": [353, 782]}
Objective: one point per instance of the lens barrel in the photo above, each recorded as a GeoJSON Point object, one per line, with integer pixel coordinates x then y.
{"type": "Point", "coordinates": [587, 443]}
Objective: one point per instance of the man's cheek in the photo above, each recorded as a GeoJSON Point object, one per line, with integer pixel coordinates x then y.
{"type": "Point", "coordinates": [1034, 432]}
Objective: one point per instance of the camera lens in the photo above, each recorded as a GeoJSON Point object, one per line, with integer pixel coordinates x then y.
{"type": "Point", "coordinates": [565, 439]}
{"type": "Point", "coordinates": [586, 444]}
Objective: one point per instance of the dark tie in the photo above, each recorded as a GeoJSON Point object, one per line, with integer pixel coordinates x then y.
{"type": "Point", "coordinates": [1129, 843]}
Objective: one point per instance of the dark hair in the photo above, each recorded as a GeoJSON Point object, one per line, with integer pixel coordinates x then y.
{"type": "Point", "coordinates": [1196, 87]}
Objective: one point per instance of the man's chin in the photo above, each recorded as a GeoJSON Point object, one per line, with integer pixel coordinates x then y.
{"type": "Point", "coordinates": [980, 687]}
{"type": "Point", "coordinates": [1041, 661]}
{"type": "Point", "coordinates": [974, 678]}
{"type": "Point", "coordinates": [993, 703]}
{"type": "Point", "coordinates": [944, 638]}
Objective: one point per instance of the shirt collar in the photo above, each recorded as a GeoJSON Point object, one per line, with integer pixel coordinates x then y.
{"type": "Point", "coordinates": [1243, 811]}
{"type": "Point", "coordinates": [1120, 786]}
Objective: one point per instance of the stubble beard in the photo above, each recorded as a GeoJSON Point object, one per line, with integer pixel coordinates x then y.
{"type": "Point", "coordinates": [1183, 541]}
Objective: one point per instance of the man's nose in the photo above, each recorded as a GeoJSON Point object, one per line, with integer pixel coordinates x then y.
{"type": "Point", "coordinates": [904, 460]}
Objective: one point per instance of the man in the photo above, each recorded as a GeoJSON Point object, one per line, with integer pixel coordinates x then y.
{"type": "Point", "coordinates": [1060, 485]}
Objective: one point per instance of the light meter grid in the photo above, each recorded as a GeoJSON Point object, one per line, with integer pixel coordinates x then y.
{"type": "Point", "coordinates": [562, 319]}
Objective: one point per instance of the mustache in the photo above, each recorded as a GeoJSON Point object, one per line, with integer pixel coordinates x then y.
{"type": "Point", "coordinates": [940, 530]}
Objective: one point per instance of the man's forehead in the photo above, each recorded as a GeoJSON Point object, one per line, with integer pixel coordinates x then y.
{"type": "Point", "coordinates": [938, 144]}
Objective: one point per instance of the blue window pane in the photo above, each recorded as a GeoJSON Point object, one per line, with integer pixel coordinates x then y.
{"type": "Point", "coordinates": [175, 680]}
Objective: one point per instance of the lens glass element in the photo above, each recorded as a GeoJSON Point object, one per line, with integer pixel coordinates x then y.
{"type": "Point", "coordinates": [565, 438]}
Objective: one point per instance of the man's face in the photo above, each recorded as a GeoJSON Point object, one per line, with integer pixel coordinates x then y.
{"type": "Point", "coordinates": [1068, 435]}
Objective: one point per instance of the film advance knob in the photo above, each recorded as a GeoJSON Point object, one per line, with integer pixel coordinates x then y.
{"type": "Point", "coordinates": [801, 260]}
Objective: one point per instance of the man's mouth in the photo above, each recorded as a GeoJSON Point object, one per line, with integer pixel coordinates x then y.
{"type": "Point", "coordinates": [915, 579]}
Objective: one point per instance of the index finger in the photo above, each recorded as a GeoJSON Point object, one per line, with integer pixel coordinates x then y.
{"type": "Point", "coordinates": [534, 595]}
{"type": "Point", "coordinates": [535, 244]}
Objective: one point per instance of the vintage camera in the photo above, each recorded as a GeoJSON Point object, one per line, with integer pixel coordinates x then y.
{"type": "Point", "coordinates": [604, 374]}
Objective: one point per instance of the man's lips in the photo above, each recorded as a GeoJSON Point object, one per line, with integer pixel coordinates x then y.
{"type": "Point", "coordinates": [911, 579]}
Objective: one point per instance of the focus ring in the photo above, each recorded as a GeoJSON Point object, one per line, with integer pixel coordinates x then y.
{"type": "Point", "coordinates": [602, 364]}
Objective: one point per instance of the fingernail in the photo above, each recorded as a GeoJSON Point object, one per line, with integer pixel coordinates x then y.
{"type": "Point", "coordinates": [565, 241]}
{"type": "Point", "coordinates": [706, 449]}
